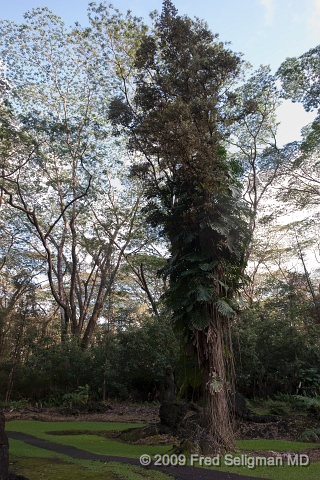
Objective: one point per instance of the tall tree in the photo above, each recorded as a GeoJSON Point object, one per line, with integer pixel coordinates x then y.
{"type": "Point", "coordinates": [255, 138]}
{"type": "Point", "coordinates": [300, 83]}
{"type": "Point", "coordinates": [253, 145]}
{"type": "Point", "coordinates": [60, 173]}
{"type": "Point", "coordinates": [300, 189]}
{"type": "Point", "coordinates": [178, 121]}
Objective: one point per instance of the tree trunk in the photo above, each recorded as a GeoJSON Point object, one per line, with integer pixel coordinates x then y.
{"type": "Point", "coordinates": [217, 418]}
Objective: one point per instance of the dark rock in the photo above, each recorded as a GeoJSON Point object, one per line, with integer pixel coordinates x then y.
{"type": "Point", "coordinates": [237, 404]}
{"type": "Point", "coordinates": [253, 417]}
{"type": "Point", "coordinates": [96, 407]}
{"type": "Point", "coordinates": [186, 447]}
{"type": "Point", "coordinates": [4, 455]}
{"type": "Point", "coordinates": [172, 413]}
{"type": "Point", "coordinates": [169, 386]}
{"type": "Point", "coordinates": [132, 435]}
{"type": "Point", "coordinates": [13, 476]}
{"type": "Point", "coordinates": [195, 407]}
{"type": "Point", "coordinates": [206, 447]}
{"type": "Point", "coordinates": [164, 430]}
{"type": "Point", "coordinates": [4, 450]}
{"type": "Point", "coordinates": [91, 407]}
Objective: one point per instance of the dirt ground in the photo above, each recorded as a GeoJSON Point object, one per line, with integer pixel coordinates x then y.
{"type": "Point", "coordinates": [114, 412]}
{"type": "Point", "coordinates": [286, 428]}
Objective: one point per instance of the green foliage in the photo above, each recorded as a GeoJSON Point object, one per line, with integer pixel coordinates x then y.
{"type": "Point", "coordinates": [310, 435]}
{"type": "Point", "coordinates": [275, 345]}
{"type": "Point", "coordinates": [178, 100]}
{"type": "Point", "coordinates": [131, 361]}
{"type": "Point", "coordinates": [277, 407]}
{"type": "Point", "coordinates": [299, 78]}
{"type": "Point", "coordinates": [137, 364]}
{"type": "Point", "coordinates": [284, 404]}
{"type": "Point", "coordinates": [15, 403]}
{"type": "Point", "coordinates": [306, 404]}
{"type": "Point", "coordinates": [79, 397]}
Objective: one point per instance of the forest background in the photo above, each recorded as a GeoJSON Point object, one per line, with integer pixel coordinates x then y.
{"type": "Point", "coordinates": [81, 298]}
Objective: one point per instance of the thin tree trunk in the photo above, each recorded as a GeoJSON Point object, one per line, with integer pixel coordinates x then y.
{"type": "Point", "coordinates": [310, 286]}
{"type": "Point", "coordinates": [16, 356]}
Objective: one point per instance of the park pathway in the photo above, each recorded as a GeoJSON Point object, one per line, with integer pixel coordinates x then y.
{"type": "Point", "coordinates": [178, 472]}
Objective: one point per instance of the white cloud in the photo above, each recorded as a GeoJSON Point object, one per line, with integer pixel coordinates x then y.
{"type": "Point", "coordinates": [269, 10]}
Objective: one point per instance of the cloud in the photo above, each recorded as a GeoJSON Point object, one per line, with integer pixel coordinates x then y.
{"type": "Point", "coordinates": [314, 20]}
{"type": "Point", "coordinates": [269, 10]}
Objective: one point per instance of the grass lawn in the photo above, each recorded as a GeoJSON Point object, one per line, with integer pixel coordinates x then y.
{"type": "Point", "coordinates": [276, 445]}
{"type": "Point", "coordinates": [284, 472]}
{"type": "Point", "coordinates": [89, 442]}
{"type": "Point", "coordinates": [31, 461]}
{"type": "Point", "coordinates": [38, 464]}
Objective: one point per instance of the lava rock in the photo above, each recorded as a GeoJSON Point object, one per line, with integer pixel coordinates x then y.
{"type": "Point", "coordinates": [255, 418]}
{"type": "Point", "coordinates": [169, 386]}
{"type": "Point", "coordinates": [237, 404]}
{"type": "Point", "coordinates": [4, 450]}
{"type": "Point", "coordinates": [172, 413]}
{"type": "Point", "coordinates": [4, 455]}
{"type": "Point", "coordinates": [13, 476]}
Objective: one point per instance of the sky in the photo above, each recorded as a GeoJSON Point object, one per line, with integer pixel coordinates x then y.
{"type": "Point", "coordinates": [265, 31]}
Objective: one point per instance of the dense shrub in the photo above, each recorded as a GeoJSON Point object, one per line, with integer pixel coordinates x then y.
{"type": "Point", "coordinates": [126, 363]}
{"type": "Point", "coordinates": [276, 347]}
